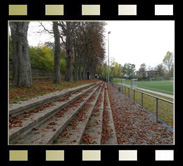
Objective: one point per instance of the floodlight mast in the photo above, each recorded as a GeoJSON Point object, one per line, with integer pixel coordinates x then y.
{"type": "Point", "coordinates": [108, 55]}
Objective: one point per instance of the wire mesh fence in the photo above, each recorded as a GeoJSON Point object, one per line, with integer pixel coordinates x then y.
{"type": "Point", "coordinates": [161, 108]}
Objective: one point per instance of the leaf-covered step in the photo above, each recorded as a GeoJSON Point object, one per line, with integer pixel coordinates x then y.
{"type": "Point", "coordinates": [93, 131]}
{"type": "Point", "coordinates": [19, 108]}
{"type": "Point", "coordinates": [72, 134]}
{"type": "Point", "coordinates": [109, 132]}
{"type": "Point", "coordinates": [47, 132]}
{"type": "Point", "coordinates": [36, 117]}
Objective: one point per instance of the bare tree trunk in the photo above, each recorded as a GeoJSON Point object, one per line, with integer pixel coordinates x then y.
{"type": "Point", "coordinates": [84, 73]}
{"type": "Point", "coordinates": [69, 47]}
{"type": "Point", "coordinates": [57, 54]}
{"type": "Point", "coordinates": [76, 66]}
{"type": "Point", "coordinates": [68, 73]}
{"type": "Point", "coordinates": [76, 71]}
{"type": "Point", "coordinates": [22, 75]}
{"type": "Point", "coordinates": [79, 67]}
{"type": "Point", "coordinates": [79, 72]}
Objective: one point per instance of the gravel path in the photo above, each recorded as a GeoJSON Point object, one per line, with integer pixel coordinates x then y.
{"type": "Point", "coordinates": [134, 125]}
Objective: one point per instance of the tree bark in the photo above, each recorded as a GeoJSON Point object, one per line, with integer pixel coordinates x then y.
{"type": "Point", "coordinates": [79, 72]}
{"type": "Point", "coordinates": [57, 54]}
{"type": "Point", "coordinates": [75, 69]}
{"type": "Point", "coordinates": [22, 75]}
{"type": "Point", "coordinates": [69, 51]}
{"type": "Point", "coordinates": [84, 73]}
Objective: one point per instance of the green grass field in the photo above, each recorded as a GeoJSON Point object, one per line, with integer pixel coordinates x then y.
{"type": "Point", "coordinates": [159, 86]}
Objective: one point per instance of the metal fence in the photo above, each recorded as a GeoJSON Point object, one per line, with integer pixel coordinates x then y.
{"type": "Point", "coordinates": [155, 105]}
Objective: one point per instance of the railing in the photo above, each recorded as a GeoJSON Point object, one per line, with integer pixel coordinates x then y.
{"type": "Point", "coordinates": [131, 93]}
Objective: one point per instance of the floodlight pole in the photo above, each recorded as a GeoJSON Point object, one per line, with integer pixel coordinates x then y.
{"type": "Point", "coordinates": [108, 56]}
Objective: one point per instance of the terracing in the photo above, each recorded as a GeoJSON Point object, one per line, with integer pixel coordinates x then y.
{"type": "Point", "coordinates": [72, 116]}
{"type": "Point", "coordinates": [91, 114]}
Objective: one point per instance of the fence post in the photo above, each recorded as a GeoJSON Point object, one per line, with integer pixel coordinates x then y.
{"type": "Point", "coordinates": [142, 100]}
{"type": "Point", "coordinates": [156, 109]}
{"type": "Point", "coordinates": [125, 90]}
{"type": "Point", "coordinates": [134, 95]}
{"type": "Point", "coordinates": [128, 92]}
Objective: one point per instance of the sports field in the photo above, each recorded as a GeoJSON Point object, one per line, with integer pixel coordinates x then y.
{"type": "Point", "coordinates": [159, 86]}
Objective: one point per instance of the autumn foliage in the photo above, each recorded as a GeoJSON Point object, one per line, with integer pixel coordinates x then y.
{"type": "Point", "coordinates": [40, 88]}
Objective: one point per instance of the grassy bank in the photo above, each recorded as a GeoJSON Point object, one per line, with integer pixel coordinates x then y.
{"type": "Point", "coordinates": [39, 88]}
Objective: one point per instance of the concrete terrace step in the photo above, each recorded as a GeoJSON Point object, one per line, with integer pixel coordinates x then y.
{"type": "Point", "coordinates": [93, 131]}
{"type": "Point", "coordinates": [110, 123]}
{"type": "Point", "coordinates": [47, 132]}
{"type": "Point", "coordinates": [74, 131]}
{"type": "Point", "coordinates": [36, 119]}
{"type": "Point", "coordinates": [19, 108]}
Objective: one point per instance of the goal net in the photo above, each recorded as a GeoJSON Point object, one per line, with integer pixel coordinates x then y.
{"type": "Point", "coordinates": [133, 83]}
{"type": "Point", "coordinates": [171, 78]}
{"type": "Point", "coordinates": [160, 79]}
{"type": "Point", "coordinates": [123, 82]}
{"type": "Point", "coordinates": [156, 79]}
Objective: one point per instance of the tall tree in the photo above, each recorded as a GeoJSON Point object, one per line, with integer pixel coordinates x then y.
{"type": "Point", "coordinates": [116, 69]}
{"type": "Point", "coordinates": [129, 69]}
{"type": "Point", "coordinates": [84, 47]}
{"type": "Point", "coordinates": [94, 47]}
{"type": "Point", "coordinates": [22, 76]}
{"type": "Point", "coordinates": [69, 51]}
{"type": "Point", "coordinates": [142, 70]}
{"type": "Point", "coordinates": [68, 31]}
{"type": "Point", "coordinates": [168, 60]}
{"type": "Point", "coordinates": [57, 54]}
{"type": "Point", "coordinates": [120, 71]}
{"type": "Point", "coordinates": [57, 49]}
{"type": "Point", "coordinates": [160, 68]}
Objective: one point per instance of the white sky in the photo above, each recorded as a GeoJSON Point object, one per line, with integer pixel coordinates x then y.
{"type": "Point", "coordinates": [34, 37]}
{"type": "Point", "coordinates": [140, 42]}
{"type": "Point", "coordinates": [133, 42]}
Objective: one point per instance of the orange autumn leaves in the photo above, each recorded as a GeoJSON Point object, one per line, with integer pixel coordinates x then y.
{"type": "Point", "coordinates": [39, 88]}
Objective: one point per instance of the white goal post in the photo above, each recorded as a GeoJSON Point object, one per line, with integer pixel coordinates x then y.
{"type": "Point", "coordinates": [134, 83]}
{"type": "Point", "coordinates": [123, 82]}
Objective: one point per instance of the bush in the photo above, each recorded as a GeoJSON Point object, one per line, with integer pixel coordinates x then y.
{"type": "Point", "coordinates": [43, 58]}
{"type": "Point", "coordinates": [40, 59]}
{"type": "Point", "coordinates": [139, 77]}
{"type": "Point", "coordinates": [62, 65]}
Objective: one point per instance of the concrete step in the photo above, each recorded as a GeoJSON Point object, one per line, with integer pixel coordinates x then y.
{"type": "Point", "coordinates": [109, 132]}
{"type": "Point", "coordinates": [20, 107]}
{"type": "Point", "coordinates": [73, 133]}
{"type": "Point", "coordinates": [36, 119]}
{"type": "Point", "coordinates": [52, 127]}
{"type": "Point", "coordinates": [93, 131]}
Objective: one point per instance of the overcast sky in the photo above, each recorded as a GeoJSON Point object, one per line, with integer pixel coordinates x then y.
{"type": "Point", "coordinates": [133, 42]}
{"type": "Point", "coordinates": [140, 42]}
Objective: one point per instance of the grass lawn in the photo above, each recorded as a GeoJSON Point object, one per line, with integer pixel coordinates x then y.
{"type": "Point", "coordinates": [159, 86]}
{"type": "Point", "coordinates": [165, 110]}
{"type": "Point", "coordinates": [39, 88]}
